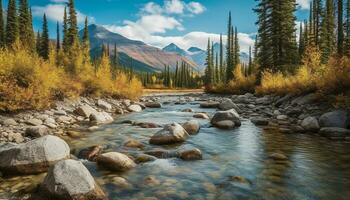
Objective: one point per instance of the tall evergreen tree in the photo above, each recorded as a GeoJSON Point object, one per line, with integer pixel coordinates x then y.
{"type": "Point", "coordinates": [236, 49]}
{"type": "Point", "coordinates": [86, 32]}
{"type": "Point", "coordinates": [25, 27]}
{"type": "Point", "coordinates": [65, 42]}
{"type": "Point", "coordinates": [229, 61]}
{"type": "Point", "coordinates": [250, 62]}
{"type": "Point", "coordinates": [2, 27]}
{"type": "Point", "coordinates": [72, 24]}
{"type": "Point", "coordinates": [340, 44]}
{"type": "Point", "coordinates": [317, 17]}
{"type": "Point", "coordinates": [301, 41]}
{"type": "Point", "coordinates": [44, 40]}
{"type": "Point", "coordinates": [347, 27]}
{"type": "Point", "coordinates": [328, 35]}
{"type": "Point", "coordinates": [209, 69]}
{"type": "Point", "coordinates": [58, 42]}
{"type": "Point", "coordinates": [11, 24]}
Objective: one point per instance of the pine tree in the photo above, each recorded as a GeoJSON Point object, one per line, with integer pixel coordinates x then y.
{"type": "Point", "coordinates": [250, 62]}
{"type": "Point", "coordinates": [340, 45]}
{"type": "Point", "coordinates": [317, 17]}
{"type": "Point", "coordinates": [217, 68]}
{"type": "Point", "coordinates": [58, 42]}
{"type": "Point", "coordinates": [26, 35]}
{"type": "Point", "coordinates": [328, 36]}
{"type": "Point", "coordinates": [65, 42]}
{"type": "Point", "coordinates": [229, 61]}
{"type": "Point", "coordinates": [44, 40]}
{"type": "Point", "coordinates": [347, 27]}
{"type": "Point", "coordinates": [209, 68]}
{"type": "Point", "coordinates": [236, 49]}
{"type": "Point", "coordinates": [2, 27]}
{"type": "Point", "coordinates": [221, 65]}
{"type": "Point", "coordinates": [72, 24]}
{"type": "Point", "coordinates": [301, 41]}
{"type": "Point", "coordinates": [12, 24]}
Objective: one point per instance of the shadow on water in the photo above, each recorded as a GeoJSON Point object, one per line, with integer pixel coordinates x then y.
{"type": "Point", "coordinates": [235, 165]}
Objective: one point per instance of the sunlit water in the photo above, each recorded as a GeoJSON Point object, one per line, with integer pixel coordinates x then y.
{"type": "Point", "coordinates": [317, 168]}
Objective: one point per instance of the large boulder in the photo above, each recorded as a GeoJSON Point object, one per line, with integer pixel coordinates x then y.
{"type": "Point", "coordinates": [310, 124]}
{"type": "Point", "coordinates": [104, 105]}
{"type": "Point", "coordinates": [70, 180]}
{"type": "Point", "coordinates": [227, 104]}
{"type": "Point", "coordinates": [84, 110]}
{"type": "Point", "coordinates": [171, 133]}
{"type": "Point", "coordinates": [115, 161]}
{"type": "Point", "coordinates": [192, 127]}
{"type": "Point", "coordinates": [135, 108]}
{"type": "Point", "coordinates": [100, 118]}
{"type": "Point", "coordinates": [338, 118]}
{"type": "Point", "coordinates": [223, 116]}
{"type": "Point", "coordinates": [153, 105]}
{"type": "Point", "coordinates": [35, 156]}
{"type": "Point", "coordinates": [37, 131]}
{"type": "Point", "coordinates": [209, 104]}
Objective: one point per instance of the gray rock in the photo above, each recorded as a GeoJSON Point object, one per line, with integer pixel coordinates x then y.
{"type": "Point", "coordinates": [33, 157]}
{"type": "Point", "coordinates": [64, 119]}
{"type": "Point", "coordinates": [171, 133]}
{"type": "Point", "coordinates": [60, 112]}
{"type": "Point", "coordinates": [209, 104]}
{"type": "Point", "coordinates": [115, 161]}
{"type": "Point", "coordinates": [227, 104]}
{"type": "Point", "coordinates": [104, 105]}
{"type": "Point", "coordinates": [190, 154]}
{"type": "Point", "coordinates": [34, 122]}
{"type": "Point", "coordinates": [307, 99]}
{"type": "Point", "coordinates": [85, 111]}
{"type": "Point", "coordinates": [230, 115]}
{"type": "Point", "coordinates": [135, 108]}
{"type": "Point", "coordinates": [192, 127]}
{"type": "Point", "coordinates": [338, 118]}
{"type": "Point", "coordinates": [9, 122]}
{"type": "Point", "coordinates": [225, 124]}
{"type": "Point", "coordinates": [70, 180]}
{"type": "Point", "coordinates": [278, 156]}
{"type": "Point", "coordinates": [37, 131]}
{"type": "Point", "coordinates": [260, 121]}
{"type": "Point", "coordinates": [201, 116]}
{"type": "Point", "coordinates": [153, 105]}
{"type": "Point", "coordinates": [15, 137]}
{"type": "Point", "coordinates": [310, 124]}
{"type": "Point", "coordinates": [282, 117]}
{"type": "Point", "coordinates": [101, 118]}
{"type": "Point", "coordinates": [335, 132]}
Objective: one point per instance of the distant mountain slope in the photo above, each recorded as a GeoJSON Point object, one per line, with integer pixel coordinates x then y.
{"type": "Point", "coordinates": [175, 49]}
{"type": "Point", "coordinates": [143, 56]}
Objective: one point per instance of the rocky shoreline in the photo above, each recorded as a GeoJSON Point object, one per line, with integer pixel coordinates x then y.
{"type": "Point", "coordinates": [40, 148]}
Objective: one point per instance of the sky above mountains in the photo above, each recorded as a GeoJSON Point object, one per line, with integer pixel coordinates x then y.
{"type": "Point", "coordinates": [161, 22]}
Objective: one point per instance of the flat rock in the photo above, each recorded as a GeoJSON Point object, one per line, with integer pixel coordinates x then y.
{"type": "Point", "coordinates": [282, 117]}
{"type": "Point", "coordinates": [278, 156]}
{"type": "Point", "coordinates": [70, 180]}
{"type": "Point", "coordinates": [34, 122]}
{"type": "Point", "coordinates": [9, 122]}
{"type": "Point", "coordinates": [171, 133]}
{"type": "Point", "coordinates": [190, 154]}
{"type": "Point", "coordinates": [115, 161]}
{"type": "Point", "coordinates": [35, 156]}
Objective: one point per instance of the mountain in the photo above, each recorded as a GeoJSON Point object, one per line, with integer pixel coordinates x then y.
{"type": "Point", "coordinates": [142, 56]}
{"type": "Point", "coordinates": [198, 55]}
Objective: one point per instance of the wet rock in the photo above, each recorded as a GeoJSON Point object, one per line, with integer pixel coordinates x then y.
{"type": "Point", "coordinates": [153, 105]}
{"type": "Point", "coordinates": [224, 117]}
{"type": "Point", "coordinates": [161, 153]}
{"type": "Point", "coordinates": [278, 156]}
{"type": "Point", "coordinates": [37, 131]}
{"type": "Point", "coordinates": [115, 161]}
{"type": "Point", "coordinates": [171, 133]}
{"type": "Point", "coordinates": [187, 110]}
{"type": "Point", "coordinates": [101, 118]}
{"type": "Point", "coordinates": [310, 124]}
{"type": "Point", "coordinates": [209, 104]}
{"type": "Point", "coordinates": [307, 99]}
{"type": "Point", "coordinates": [239, 179]}
{"type": "Point", "coordinates": [282, 117]}
{"type": "Point", "coordinates": [338, 118]}
{"type": "Point", "coordinates": [334, 132]}
{"type": "Point", "coordinates": [190, 154]}
{"type": "Point", "coordinates": [70, 180]}
{"type": "Point", "coordinates": [104, 105]}
{"type": "Point", "coordinates": [192, 127]}
{"type": "Point", "coordinates": [73, 134]}
{"type": "Point", "coordinates": [34, 122]}
{"type": "Point", "coordinates": [147, 125]}
{"type": "Point", "coordinates": [9, 122]}
{"type": "Point", "coordinates": [227, 104]}
{"type": "Point", "coordinates": [85, 111]}
{"type": "Point", "coordinates": [135, 108]}
{"type": "Point", "coordinates": [201, 116]}
{"type": "Point", "coordinates": [90, 153]}
{"type": "Point", "coordinates": [34, 156]}
{"type": "Point", "coordinates": [93, 128]}
{"type": "Point", "coordinates": [142, 158]}
{"type": "Point", "coordinates": [133, 144]}
{"type": "Point", "coordinates": [121, 182]}
{"type": "Point", "coordinates": [151, 181]}
{"type": "Point", "coordinates": [260, 121]}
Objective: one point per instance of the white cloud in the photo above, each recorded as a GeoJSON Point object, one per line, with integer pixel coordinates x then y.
{"type": "Point", "coordinates": [304, 4]}
{"type": "Point", "coordinates": [55, 12]}
{"type": "Point", "coordinates": [174, 6]}
{"type": "Point", "coordinates": [152, 8]}
{"type": "Point", "coordinates": [196, 8]}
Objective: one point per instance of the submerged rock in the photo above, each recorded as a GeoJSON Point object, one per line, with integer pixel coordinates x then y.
{"type": "Point", "coordinates": [70, 180]}
{"type": "Point", "coordinates": [142, 158]}
{"type": "Point", "coordinates": [209, 104]}
{"type": "Point", "coordinates": [35, 156]}
{"type": "Point", "coordinates": [190, 154]}
{"type": "Point", "coordinates": [187, 110]}
{"type": "Point", "coordinates": [161, 153]}
{"type": "Point", "coordinates": [221, 118]}
{"type": "Point", "coordinates": [147, 125]}
{"type": "Point", "coordinates": [192, 127]}
{"type": "Point", "coordinates": [133, 144]}
{"type": "Point", "coordinates": [171, 133]}
{"type": "Point", "coordinates": [260, 121]}
{"type": "Point", "coordinates": [201, 116]}
{"type": "Point", "coordinates": [115, 161]}
{"type": "Point", "coordinates": [90, 153]}
{"type": "Point", "coordinates": [278, 156]}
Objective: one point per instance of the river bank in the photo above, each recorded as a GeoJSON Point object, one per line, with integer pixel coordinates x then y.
{"type": "Point", "coordinates": [139, 135]}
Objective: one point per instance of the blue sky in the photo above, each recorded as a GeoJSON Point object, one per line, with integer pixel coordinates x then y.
{"type": "Point", "coordinates": [160, 22]}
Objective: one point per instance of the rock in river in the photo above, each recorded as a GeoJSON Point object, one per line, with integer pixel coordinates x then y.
{"type": "Point", "coordinates": [171, 133]}
{"type": "Point", "coordinates": [190, 154]}
{"type": "Point", "coordinates": [221, 116]}
{"type": "Point", "coordinates": [335, 132]}
{"type": "Point", "coordinates": [35, 156]}
{"type": "Point", "coordinates": [310, 124]}
{"type": "Point", "coordinates": [227, 104]}
{"type": "Point", "coordinates": [338, 118]}
{"type": "Point", "coordinates": [115, 161]}
{"type": "Point", "coordinates": [135, 108]}
{"type": "Point", "coordinates": [70, 180]}
{"type": "Point", "coordinates": [209, 104]}
{"type": "Point", "coordinates": [153, 105]}
{"type": "Point", "coordinates": [101, 118]}
{"type": "Point", "coordinates": [260, 121]}
{"type": "Point", "coordinates": [201, 116]}
{"type": "Point", "coordinates": [90, 153]}
{"type": "Point", "coordinates": [192, 127]}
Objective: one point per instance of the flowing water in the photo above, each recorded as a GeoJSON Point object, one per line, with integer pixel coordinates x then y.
{"type": "Point", "coordinates": [316, 168]}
